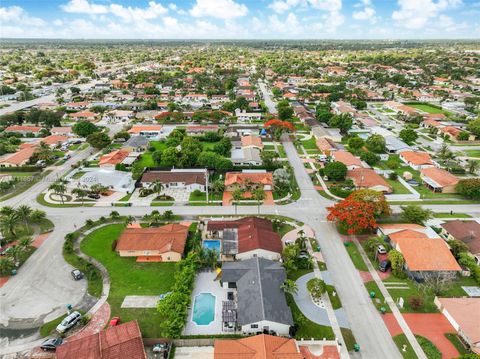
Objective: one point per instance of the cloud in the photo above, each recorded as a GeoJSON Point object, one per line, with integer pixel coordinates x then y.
{"type": "Point", "coordinates": [84, 7]}
{"type": "Point", "coordinates": [281, 6]}
{"type": "Point", "coordinates": [367, 12]}
{"type": "Point", "coordinates": [128, 14]}
{"type": "Point", "coordinates": [415, 14]}
{"type": "Point", "coordinates": [221, 9]}
{"type": "Point", "coordinates": [17, 15]}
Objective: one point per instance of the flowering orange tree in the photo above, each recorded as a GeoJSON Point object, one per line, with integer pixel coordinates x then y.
{"type": "Point", "coordinates": [278, 127]}
{"type": "Point", "coordinates": [375, 198]}
{"type": "Point", "coordinates": [354, 216]}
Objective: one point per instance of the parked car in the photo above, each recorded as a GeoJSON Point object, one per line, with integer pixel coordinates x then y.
{"type": "Point", "coordinates": [76, 274]}
{"type": "Point", "coordinates": [67, 157]}
{"type": "Point", "coordinates": [41, 163]}
{"type": "Point", "coordinates": [94, 196]}
{"type": "Point", "coordinates": [384, 265]}
{"type": "Point", "coordinates": [381, 249]}
{"type": "Point", "coordinates": [68, 322]}
{"type": "Point", "coordinates": [413, 183]}
{"type": "Point", "coordinates": [51, 344]}
{"type": "Point", "coordinates": [114, 322]}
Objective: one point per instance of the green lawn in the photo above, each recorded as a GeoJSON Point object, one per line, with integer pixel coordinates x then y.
{"type": "Point", "coordinates": [283, 228]}
{"type": "Point", "coordinates": [473, 153]}
{"type": "Point", "coordinates": [356, 258]}
{"type": "Point", "coordinates": [457, 343]}
{"type": "Point", "coordinates": [281, 151]}
{"type": "Point", "coordinates": [453, 215]}
{"type": "Point", "coordinates": [27, 180]}
{"type": "Point", "coordinates": [129, 278]}
{"type": "Point", "coordinates": [126, 197]}
{"type": "Point", "coordinates": [336, 302]}
{"type": "Point", "coordinates": [401, 340]}
{"type": "Point", "coordinates": [78, 174]}
{"type": "Point", "coordinates": [379, 299]}
{"type": "Point", "coordinates": [146, 160]}
{"type": "Point", "coordinates": [397, 187]}
{"type": "Point", "coordinates": [348, 338]}
{"type": "Point", "coordinates": [158, 145]}
{"type": "Point", "coordinates": [310, 144]}
{"type": "Point", "coordinates": [203, 197]}
{"type": "Point", "coordinates": [430, 350]}
{"type": "Point", "coordinates": [426, 108]}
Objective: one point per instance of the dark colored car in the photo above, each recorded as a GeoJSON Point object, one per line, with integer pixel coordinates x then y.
{"type": "Point", "coordinates": [51, 344]}
{"type": "Point", "coordinates": [94, 196]}
{"type": "Point", "coordinates": [384, 265]}
{"type": "Point", "coordinates": [413, 183]}
{"type": "Point", "coordinates": [76, 274]}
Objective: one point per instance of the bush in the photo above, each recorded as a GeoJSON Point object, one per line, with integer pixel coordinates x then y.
{"type": "Point", "coordinates": [335, 171]}
{"type": "Point", "coordinates": [393, 176]}
{"type": "Point", "coordinates": [416, 302]}
{"type": "Point", "coordinates": [469, 188]}
{"type": "Point", "coordinates": [316, 287]}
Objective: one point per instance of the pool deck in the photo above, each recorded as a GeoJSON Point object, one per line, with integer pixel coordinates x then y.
{"type": "Point", "coordinates": [204, 283]}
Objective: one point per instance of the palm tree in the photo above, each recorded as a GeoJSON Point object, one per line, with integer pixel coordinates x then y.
{"type": "Point", "coordinates": [289, 287]}
{"type": "Point", "coordinates": [37, 216]}
{"type": "Point", "coordinates": [58, 188]}
{"type": "Point", "coordinates": [24, 212]}
{"type": "Point", "coordinates": [9, 223]}
{"type": "Point", "coordinates": [237, 195]}
{"type": "Point", "coordinates": [473, 166]}
{"type": "Point", "coordinates": [129, 220]}
{"type": "Point", "coordinates": [259, 195]}
{"type": "Point", "coordinates": [25, 242]}
{"type": "Point", "coordinates": [157, 187]}
{"type": "Point", "coordinates": [80, 193]}
{"type": "Point", "coordinates": [6, 210]}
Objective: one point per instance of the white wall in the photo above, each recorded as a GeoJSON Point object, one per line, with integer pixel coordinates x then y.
{"type": "Point", "coordinates": [279, 328]}
{"type": "Point", "coordinates": [261, 253]}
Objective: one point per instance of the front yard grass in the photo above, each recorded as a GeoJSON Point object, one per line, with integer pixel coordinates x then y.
{"type": "Point", "coordinates": [355, 256]}
{"type": "Point", "coordinates": [335, 300]}
{"type": "Point", "coordinates": [310, 144]}
{"type": "Point", "coordinates": [397, 187]}
{"type": "Point", "coordinates": [430, 350]}
{"type": "Point", "coordinates": [128, 277]}
{"type": "Point", "coordinates": [401, 341]}
{"type": "Point", "coordinates": [451, 215]}
{"type": "Point", "coordinates": [473, 153]}
{"type": "Point", "coordinates": [457, 343]}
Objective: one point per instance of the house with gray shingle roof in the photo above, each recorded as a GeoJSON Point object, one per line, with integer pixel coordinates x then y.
{"type": "Point", "coordinates": [261, 303]}
{"type": "Point", "coordinates": [137, 144]}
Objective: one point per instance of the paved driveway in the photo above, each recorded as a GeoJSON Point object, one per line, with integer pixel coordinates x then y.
{"type": "Point", "coordinates": [432, 326]}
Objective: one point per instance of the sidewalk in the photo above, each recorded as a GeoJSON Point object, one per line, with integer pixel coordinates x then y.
{"type": "Point", "coordinates": [393, 307]}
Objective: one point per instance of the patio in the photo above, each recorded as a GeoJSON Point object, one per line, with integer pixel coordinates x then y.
{"type": "Point", "coordinates": [205, 283]}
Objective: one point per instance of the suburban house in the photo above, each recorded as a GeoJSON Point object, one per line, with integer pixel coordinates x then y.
{"type": "Point", "coordinates": [245, 156]}
{"type": "Point", "coordinates": [148, 131]}
{"type": "Point", "coordinates": [247, 178]}
{"type": "Point", "coordinates": [439, 180]}
{"type": "Point", "coordinates": [199, 130]}
{"type": "Point", "coordinates": [17, 159]}
{"type": "Point", "coordinates": [261, 303]}
{"type": "Point", "coordinates": [347, 159]}
{"type": "Point", "coordinates": [24, 129]}
{"type": "Point", "coordinates": [76, 106]}
{"type": "Point", "coordinates": [136, 144]}
{"type": "Point", "coordinates": [394, 145]}
{"type": "Point", "coordinates": [416, 160]}
{"type": "Point", "coordinates": [113, 158]}
{"type": "Point", "coordinates": [246, 238]}
{"type": "Point", "coordinates": [424, 256]}
{"type": "Point", "coordinates": [467, 232]}
{"type": "Point", "coordinates": [123, 341]}
{"type": "Point", "coordinates": [326, 145]}
{"type": "Point", "coordinates": [398, 107]}
{"type": "Point", "coordinates": [367, 178]}
{"type": "Point", "coordinates": [259, 346]}
{"type": "Point", "coordinates": [118, 116]}
{"type": "Point", "coordinates": [244, 116]}
{"type": "Point", "coordinates": [464, 315]}
{"type": "Point", "coordinates": [186, 179]}
{"type": "Point", "coordinates": [319, 131]}
{"type": "Point", "coordinates": [64, 131]}
{"type": "Point", "coordinates": [252, 141]}
{"type": "Point", "coordinates": [54, 140]}
{"type": "Point", "coordinates": [84, 115]}
{"type": "Point", "coordinates": [153, 244]}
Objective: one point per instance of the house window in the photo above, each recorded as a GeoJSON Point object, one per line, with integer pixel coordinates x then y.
{"type": "Point", "coordinates": [254, 326]}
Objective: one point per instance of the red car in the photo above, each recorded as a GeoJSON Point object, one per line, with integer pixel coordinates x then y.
{"type": "Point", "coordinates": [114, 322]}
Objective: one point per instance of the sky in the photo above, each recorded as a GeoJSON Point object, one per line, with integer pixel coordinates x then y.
{"type": "Point", "coordinates": [240, 19]}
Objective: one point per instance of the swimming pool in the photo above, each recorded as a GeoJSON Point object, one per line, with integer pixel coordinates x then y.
{"type": "Point", "coordinates": [215, 244]}
{"type": "Point", "coordinates": [204, 309]}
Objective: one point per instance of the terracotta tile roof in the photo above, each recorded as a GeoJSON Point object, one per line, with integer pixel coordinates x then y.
{"type": "Point", "coordinates": [406, 233]}
{"type": "Point", "coordinates": [123, 341]}
{"type": "Point", "coordinates": [465, 231]}
{"type": "Point", "coordinates": [451, 130]}
{"type": "Point", "coordinates": [367, 178]}
{"type": "Point", "coordinates": [442, 177]}
{"type": "Point", "coordinates": [417, 158]}
{"type": "Point", "coordinates": [252, 141]}
{"type": "Point", "coordinates": [466, 313]}
{"type": "Point", "coordinates": [431, 122]}
{"type": "Point", "coordinates": [325, 144]}
{"type": "Point", "coordinates": [140, 128]}
{"type": "Point", "coordinates": [346, 158]}
{"type": "Point", "coordinates": [168, 238]}
{"type": "Point", "coordinates": [65, 129]}
{"type": "Point", "coordinates": [54, 139]}
{"type": "Point", "coordinates": [16, 128]}
{"type": "Point", "coordinates": [171, 176]}
{"type": "Point", "coordinates": [19, 157]}
{"type": "Point", "coordinates": [253, 233]}
{"type": "Point", "coordinates": [257, 347]}
{"type": "Point", "coordinates": [77, 104]}
{"type": "Point", "coordinates": [83, 114]}
{"type": "Point", "coordinates": [113, 157]}
{"type": "Point", "coordinates": [243, 177]}
{"type": "Point", "coordinates": [328, 352]}
{"type": "Point", "coordinates": [427, 254]}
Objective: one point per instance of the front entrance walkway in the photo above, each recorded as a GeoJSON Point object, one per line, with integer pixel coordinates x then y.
{"type": "Point", "coordinates": [310, 310]}
{"type": "Point", "coordinates": [432, 326]}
